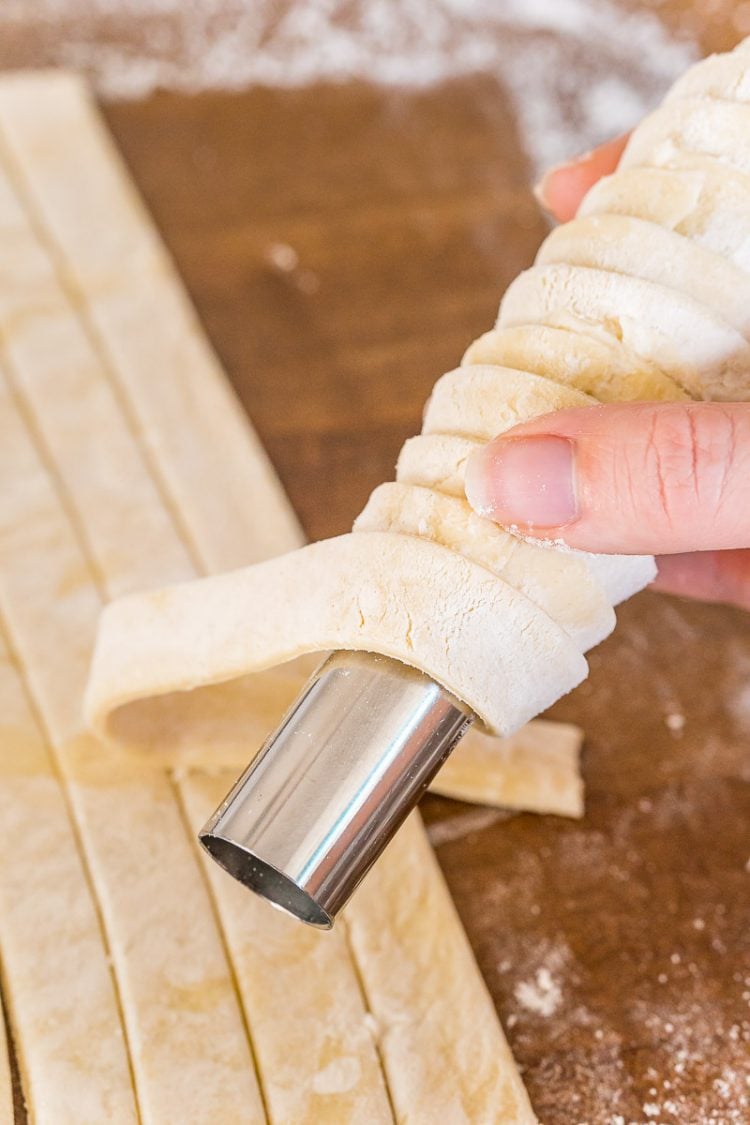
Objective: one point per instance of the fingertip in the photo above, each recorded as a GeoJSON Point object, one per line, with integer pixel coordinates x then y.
{"type": "Point", "coordinates": [562, 188]}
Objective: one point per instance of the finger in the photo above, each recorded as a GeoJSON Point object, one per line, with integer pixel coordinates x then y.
{"type": "Point", "coordinates": [712, 576]}
{"type": "Point", "coordinates": [639, 477]}
{"type": "Point", "coordinates": [561, 190]}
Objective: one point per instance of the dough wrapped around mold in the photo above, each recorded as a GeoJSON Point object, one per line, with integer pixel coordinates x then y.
{"type": "Point", "coordinates": [639, 248]}
{"type": "Point", "coordinates": [700, 351]}
{"type": "Point", "coordinates": [694, 196]}
{"type": "Point", "coordinates": [605, 370]}
{"type": "Point", "coordinates": [558, 582]}
{"type": "Point", "coordinates": [398, 595]}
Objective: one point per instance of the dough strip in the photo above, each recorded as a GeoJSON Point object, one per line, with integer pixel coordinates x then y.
{"type": "Point", "coordinates": [329, 1045]}
{"type": "Point", "coordinates": [176, 989]}
{"type": "Point", "coordinates": [410, 1074]}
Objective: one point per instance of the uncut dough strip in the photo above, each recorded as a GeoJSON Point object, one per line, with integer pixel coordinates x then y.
{"type": "Point", "coordinates": [118, 267]}
{"type": "Point", "coordinates": [72, 1056]}
{"type": "Point", "coordinates": [245, 541]}
{"type": "Point", "coordinates": [105, 515]}
{"type": "Point", "coordinates": [186, 1036]}
{"type": "Point", "coordinates": [315, 1044]}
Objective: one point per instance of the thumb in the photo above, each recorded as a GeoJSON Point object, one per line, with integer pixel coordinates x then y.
{"type": "Point", "coordinates": [637, 478]}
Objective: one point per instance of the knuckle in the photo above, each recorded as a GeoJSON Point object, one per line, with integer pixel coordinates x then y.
{"type": "Point", "coordinates": [688, 454]}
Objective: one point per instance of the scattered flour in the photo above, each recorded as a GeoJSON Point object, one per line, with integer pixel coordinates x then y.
{"type": "Point", "coordinates": [541, 995]}
{"type": "Point", "coordinates": [675, 722]}
{"type": "Point", "coordinates": [577, 70]}
{"type": "Point", "coordinates": [458, 827]}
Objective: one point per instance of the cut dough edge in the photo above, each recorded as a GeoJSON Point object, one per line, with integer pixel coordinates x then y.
{"type": "Point", "coordinates": [536, 769]}
{"type": "Point", "coordinates": [375, 592]}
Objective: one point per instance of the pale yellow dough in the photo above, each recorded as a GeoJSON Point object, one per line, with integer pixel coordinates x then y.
{"type": "Point", "coordinates": [537, 768]}
{"type": "Point", "coordinates": [560, 584]}
{"type": "Point", "coordinates": [637, 248]}
{"type": "Point", "coordinates": [698, 349]}
{"type": "Point", "coordinates": [395, 594]}
{"type": "Point", "coordinates": [404, 928]}
{"type": "Point", "coordinates": [438, 461]}
{"type": "Point", "coordinates": [696, 197]}
{"type": "Point", "coordinates": [603, 369]}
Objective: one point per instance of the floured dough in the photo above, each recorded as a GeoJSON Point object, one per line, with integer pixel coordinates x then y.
{"type": "Point", "coordinates": [116, 263]}
{"type": "Point", "coordinates": [127, 882]}
{"type": "Point", "coordinates": [695, 125]}
{"type": "Point", "coordinates": [437, 461]}
{"type": "Point", "coordinates": [72, 1056]}
{"type": "Point", "coordinates": [637, 248]}
{"type": "Point", "coordinates": [482, 401]}
{"type": "Point", "coordinates": [699, 350]}
{"type": "Point", "coordinates": [394, 594]}
{"type": "Point", "coordinates": [718, 76]}
{"type": "Point", "coordinates": [697, 197]}
{"type": "Point", "coordinates": [559, 583]}
{"type": "Point", "coordinates": [403, 926]}
{"type": "Point", "coordinates": [314, 1046]}
{"type": "Point", "coordinates": [605, 370]}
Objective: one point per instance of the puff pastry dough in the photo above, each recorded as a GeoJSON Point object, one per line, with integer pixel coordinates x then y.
{"type": "Point", "coordinates": [644, 296]}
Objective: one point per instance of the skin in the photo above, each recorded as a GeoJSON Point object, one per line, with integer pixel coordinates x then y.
{"type": "Point", "coordinates": [667, 479]}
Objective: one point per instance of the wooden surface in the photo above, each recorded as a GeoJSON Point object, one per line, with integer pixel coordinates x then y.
{"type": "Point", "coordinates": [617, 949]}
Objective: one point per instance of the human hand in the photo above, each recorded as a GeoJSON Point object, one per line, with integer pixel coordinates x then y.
{"type": "Point", "coordinates": [670, 479]}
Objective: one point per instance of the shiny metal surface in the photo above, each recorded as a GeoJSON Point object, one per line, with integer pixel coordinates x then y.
{"type": "Point", "coordinates": [331, 786]}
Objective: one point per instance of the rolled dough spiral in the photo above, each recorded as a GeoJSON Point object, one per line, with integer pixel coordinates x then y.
{"type": "Point", "coordinates": [645, 295]}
